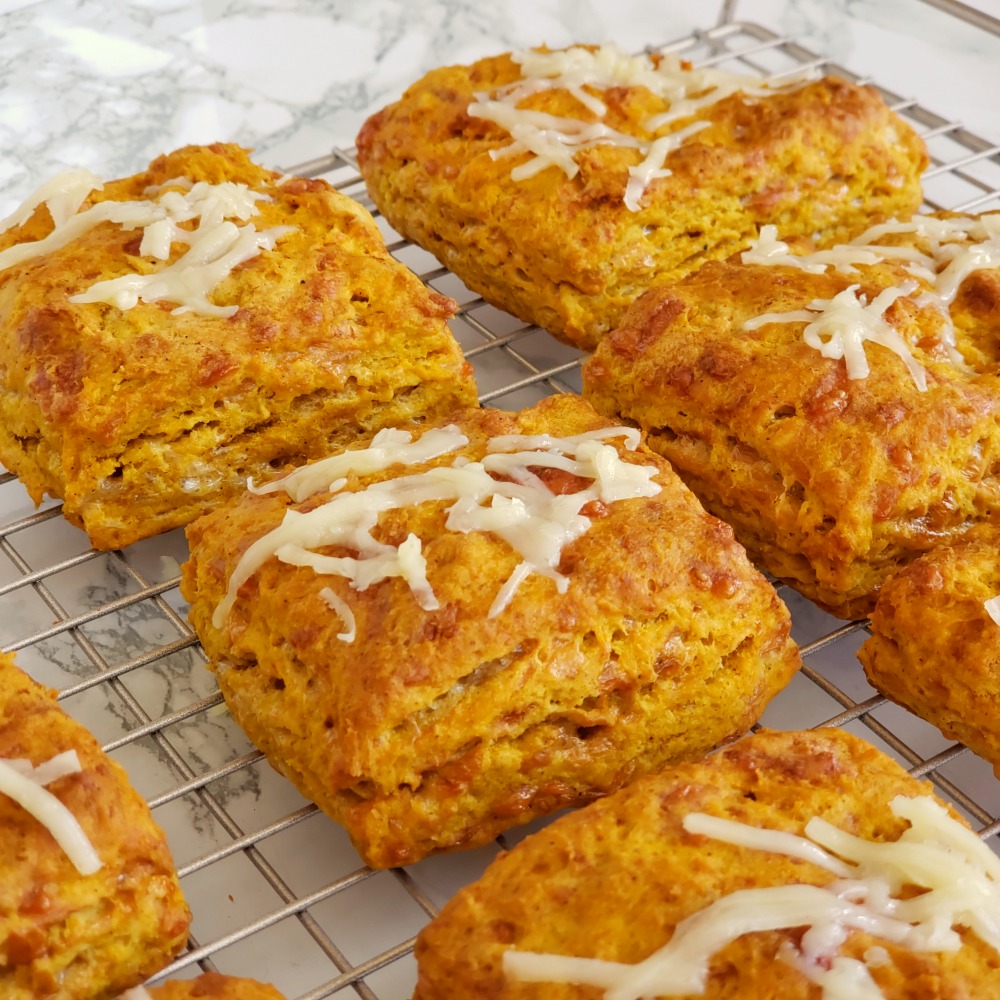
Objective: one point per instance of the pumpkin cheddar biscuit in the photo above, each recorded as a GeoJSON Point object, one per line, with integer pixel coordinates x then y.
{"type": "Point", "coordinates": [90, 904]}
{"type": "Point", "coordinates": [840, 408]}
{"type": "Point", "coordinates": [935, 643]}
{"type": "Point", "coordinates": [561, 184]}
{"type": "Point", "coordinates": [165, 336]}
{"type": "Point", "coordinates": [440, 635]}
{"type": "Point", "coordinates": [790, 864]}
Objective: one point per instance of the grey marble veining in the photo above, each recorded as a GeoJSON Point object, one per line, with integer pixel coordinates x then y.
{"type": "Point", "coordinates": [108, 86]}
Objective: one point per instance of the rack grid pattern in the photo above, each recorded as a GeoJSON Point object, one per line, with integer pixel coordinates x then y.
{"type": "Point", "coordinates": [276, 890]}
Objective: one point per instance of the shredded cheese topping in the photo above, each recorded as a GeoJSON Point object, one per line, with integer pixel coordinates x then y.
{"type": "Point", "coordinates": [959, 873]}
{"type": "Point", "coordinates": [389, 446]}
{"type": "Point", "coordinates": [24, 783]}
{"type": "Point", "coordinates": [519, 508]}
{"type": "Point", "coordinates": [215, 245]}
{"type": "Point", "coordinates": [62, 196]}
{"type": "Point", "coordinates": [840, 327]}
{"type": "Point", "coordinates": [956, 247]}
{"type": "Point", "coordinates": [993, 608]}
{"type": "Point", "coordinates": [553, 140]}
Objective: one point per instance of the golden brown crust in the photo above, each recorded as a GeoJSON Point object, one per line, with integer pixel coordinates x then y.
{"type": "Point", "coordinates": [613, 880]}
{"type": "Point", "coordinates": [934, 648]}
{"type": "Point", "coordinates": [215, 986]}
{"type": "Point", "coordinates": [831, 483]}
{"type": "Point", "coordinates": [825, 158]}
{"type": "Point", "coordinates": [141, 420]}
{"type": "Point", "coordinates": [63, 934]}
{"type": "Point", "coordinates": [439, 729]}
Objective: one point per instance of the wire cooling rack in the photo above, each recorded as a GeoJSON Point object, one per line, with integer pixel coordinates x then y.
{"type": "Point", "coordinates": [276, 889]}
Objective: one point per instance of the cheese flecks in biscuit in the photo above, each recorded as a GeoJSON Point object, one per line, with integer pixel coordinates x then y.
{"type": "Point", "coordinates": [508, 628]}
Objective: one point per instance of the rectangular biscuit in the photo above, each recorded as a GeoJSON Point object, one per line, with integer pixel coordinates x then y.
{"type": "Point", "coordinates": [471, 634]}
{"type": "Point", "coordinates": [560, 185]}
{"type": "Point", "coordinates": [840, 408]}
{"type": "Point", "coordinates": [142, 387]}
{"type": "Point", "coordinates": [935, 644]}
{"type": "Point", "coordinates": [777, 867]}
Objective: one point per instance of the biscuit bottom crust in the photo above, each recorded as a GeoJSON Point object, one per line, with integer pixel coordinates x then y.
{"type": "Point", "coordinates": [214, 986]}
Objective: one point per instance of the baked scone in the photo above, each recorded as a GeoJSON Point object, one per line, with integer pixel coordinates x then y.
{"type": "Point", "coordinates": [560, 185]}
{"type": "Point", "coordinates": [935, 646]}
{"type": "Point", "coordinates": [68, 929]}
{"type": "Point", "coordinates": [523, 624]}
{"type": "Point", "coordinates": [841, 408]}
{"type": "Point", "coordinates": [703, 856]}
{"type": "Point", "coordinates": [208, 984]}
{"type": "Point", "coordinates": [282, 331]}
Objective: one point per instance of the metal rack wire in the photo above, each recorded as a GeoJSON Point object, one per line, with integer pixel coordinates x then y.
{"type": "Point", "coordinates": [276, 890]}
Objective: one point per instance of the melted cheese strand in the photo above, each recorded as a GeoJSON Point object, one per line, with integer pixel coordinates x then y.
{"type": "Point", "coordinates": [944, 268]}
{"type": "Point", "coordinates": [978, 257]}
{"type": "Point", "coordinates": [842, 979]}
{"type": "Point", "coordinates": [52, 814]}
{"type": "Point", "coordinates": [339, 605]}
{"type": "Point", "coordinates": [731, 832]}
{"type": "Point", "coordinates": [993, 608]}
{"type": "Point", "coordinates": [62, 196]}
{"type": "Point", "coordinates": [548, 442]}
{"type": "Point", "coordinates": [550, 139]}
{"type": "Point", "coordinates": [390, 446]}
{"type": "Point", "coordinates": [847, 321]}
{"type": "Point", "coordinates": [67, 762]}
{"type": "Point", "coordinates": [768, 249]}
{"type": "Point", "coordinates": [126, 214]}
{"type": "Point", "coordinates": [652, 167]}
{"type": "Point", "coordinates": [554, 140]}
{"type": "Point", "coordinates": [680, 967]}
{"type": "Point", "coordinates": [189, 280]}
{"type": "Point", "coordinates": [536, 523]}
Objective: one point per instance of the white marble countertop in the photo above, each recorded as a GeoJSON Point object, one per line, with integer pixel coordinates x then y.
{"type": "Point", "coordinates": [109, 84]}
